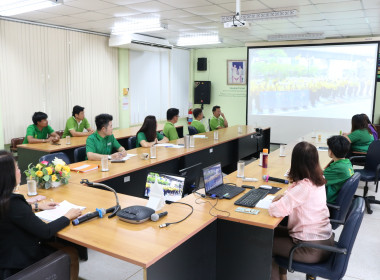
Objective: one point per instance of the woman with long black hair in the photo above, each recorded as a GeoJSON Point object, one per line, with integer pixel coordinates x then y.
{"type": "Point", "coordinates": [148, 136]}
{"type": "Point", "coordinates": [22, 233]}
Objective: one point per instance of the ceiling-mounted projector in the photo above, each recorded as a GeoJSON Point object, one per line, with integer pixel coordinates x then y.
{"type": "Point", "coordinates": [236, 23]}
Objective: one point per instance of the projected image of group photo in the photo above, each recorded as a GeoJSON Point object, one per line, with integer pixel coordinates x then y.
{"type": "Point", "coordinates": [172, 185]}
{"type": "Point", "coordinates": [317, 81]}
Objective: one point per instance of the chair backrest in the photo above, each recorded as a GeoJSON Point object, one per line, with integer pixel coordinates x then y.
{"type": "Point", "coordinates": [339, 262]}
{"type": "Point", "coordinates": [373, 156]}
{"type": "Point", "coordinates": [50, 157]}
{"type": "Point", "coordinates": [60, 133]}
{"type": "Point", "coordinates": [192, 130]}
{"type": "Point", "coordinates": [54, 266]}
{"type": "Point", "coordinates": [15, 142]}
{"type": "Point", "coordinates": [209, 127]}
{"type": "Point", "coordinates": [344, 199]}
{"type": "Point", "coordinates": [132, 143]}
{"type": "Point", "coordinates": [80, 154]}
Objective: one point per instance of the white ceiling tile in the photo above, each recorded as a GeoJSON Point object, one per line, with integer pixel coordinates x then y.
{"type": "Point", "coordinates": [91, 16]}
{"type": "Point", "coordinates": [63, 10]}
{"type": "Point", "coordinates": [173, 14]}
{"type": "Point", "coordinates": [217, 17]}
{"type": "Point", "coordinates": [352, 26]}
{"type": "Point", "coordinates": [341, 6]}
{"type": "Point", "coordinates": [351, 21]}
{"type": "Point", "coordinates": [221, 1]}
{"type": "Point", "coordinates": [305, 18]}
{"type": "Point", "coordinates": [318, 28]}
{"type": "Point", "coordinates": [119, 11]}
{"type": "Point", "coordinates": [373, 13]}
{"type": "Point", "coordinates": [307, 9]}
{"type": "Point", "coordinates": [245, 6]}
{"type": "Point", "coordinates": [185, 4]}
{"type": "Point", "coordinates": [90, 5]}
{"type": "Point", "coordinates": [313, 23]}
{"type": "Point", "coordinates": [206, 10]}
{"type": "Point", "coordinates": [151, 7]}
{"type": "Point", "coordinates": [125, 2]}
{"type": "Point", "coordinates": [371, 4]}
{"type": "Point", "coordinates": [356, 32]}
{"type": "Point", "coordinates": [275, 4]}
{"type": "Point", "coordinates": [342, 15]}
{"type": "Point", "coordinates": [63, 20]}
{"type": "Point", "coordinates": [192, 20]}
{"type": "Point", "coordinates": [35, 15]}
{"type": "Point", "coordinates": [326, 1]}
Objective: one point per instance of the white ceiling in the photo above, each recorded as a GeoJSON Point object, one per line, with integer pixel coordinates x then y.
{"type": "Point", "coordinates": [336, 18]}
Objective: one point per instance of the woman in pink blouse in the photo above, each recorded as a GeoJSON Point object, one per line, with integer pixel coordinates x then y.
{"type": "Point", "coordinates": [305, 205]}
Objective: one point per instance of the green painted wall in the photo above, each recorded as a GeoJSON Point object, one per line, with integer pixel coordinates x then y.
{"type": "Point", "coordinates": [123, 83]}
{"type": "Point", "coordinates": [231, 98]}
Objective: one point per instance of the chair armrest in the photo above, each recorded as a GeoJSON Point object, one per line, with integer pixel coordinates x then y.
{"type": "Point", "coordinates": [358, 159]}
{"type": "Point", "coordinates": [315, 246]}
{"type": "Point", "coordinates": [333, 206]}
{"type": "Point", "coordinates": [341, 222]}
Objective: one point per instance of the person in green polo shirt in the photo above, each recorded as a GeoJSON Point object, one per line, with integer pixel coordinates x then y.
{"type": "Point", "coordinates": [170, 131]}
{"type": "Point", "coordinates": [40, 131]}
{"type": "Point", "coordinates": [77, 123]}
{"type": "Point", "coordinates": [102, 142]}
{"type": "Point", "coordinates": [339, 170]}
{"type": "Point", "coordinates": [147, 135]}
{"type": "Point", "coordinates": [218, 120]}
{"type": "Point", "coordinates": [361, 135]}
{"type": "Point", "coordinates": [198, 116]}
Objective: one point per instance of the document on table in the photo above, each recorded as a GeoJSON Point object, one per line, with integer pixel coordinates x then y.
{"type": "Point", "coordinates": [127, 157]}
{"type": "Point", "coordinates": [199, 136]}
{"type": "Point", "coordinates": [266, 202]}
{"type": "Point", "coordinates": [59, 211]}
{"type": "Point", "coordinates": [169, 145]}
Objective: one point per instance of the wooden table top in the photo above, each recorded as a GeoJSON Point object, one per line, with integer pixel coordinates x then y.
{"type": "Point", "coordinates": [163, 154]}
{"type": "Point", "coordinates": [81, 141]}
{"type": "Point", "coordinates": [144, 244]}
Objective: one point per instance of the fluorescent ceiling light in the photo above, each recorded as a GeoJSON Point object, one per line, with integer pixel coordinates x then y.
{"type": "Point", "coordinates": [138, 26]}
{"type": "Point", "coordinates": [261, 16]}
{"type": "Point", "coordinates": [198, 39]}
{"type": "Point", "coordinates": [295, 37]}
{"type": "Point", "coordinates": [15, 7]}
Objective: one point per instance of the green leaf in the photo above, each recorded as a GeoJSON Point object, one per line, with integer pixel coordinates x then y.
{"type": "Point", "coordinates": [46, 178]}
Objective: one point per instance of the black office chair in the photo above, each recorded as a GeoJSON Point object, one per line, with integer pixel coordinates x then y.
{"type": "Point", "coordinates": [209, 126]}
{"type": "Point", "coordinates": [54, 266]}
{"type": "Point", "coordinates": [80, 154]}
{"type": "Point", "coordinates": [50, 157]}
{"type": "Point", "coordinates": [132, 143]}
{"type": "Point", "coordinates": [338, 211]}
{"type": "Point", "coordinates": [335, 266]}
{"type": "Point", "coordinates": [192, 130]}
{"type": "Point", "coordinates": [371, 171]}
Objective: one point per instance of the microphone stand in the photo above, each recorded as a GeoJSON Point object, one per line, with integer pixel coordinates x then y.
{"type": "Point", "coordinates": [115, 208]}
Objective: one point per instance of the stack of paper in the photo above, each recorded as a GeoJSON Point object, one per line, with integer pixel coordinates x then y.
{"type": "Point", "coordinates": [83, 167]}
{"type": "Point", "coordinates": [59, 211]}
{"type": "Point", "coordinates": [199, 136]}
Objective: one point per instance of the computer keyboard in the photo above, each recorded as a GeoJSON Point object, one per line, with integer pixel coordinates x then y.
{"type": "Point", "coordinates": [251, 198]}
{"type": "Point", "coordinates": [227, 189]}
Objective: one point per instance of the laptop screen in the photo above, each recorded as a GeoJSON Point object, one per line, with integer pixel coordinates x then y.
{"type": "Point", "coordinates": [172, 186]}
{"type": "Point", "coordinates": [212, 176]}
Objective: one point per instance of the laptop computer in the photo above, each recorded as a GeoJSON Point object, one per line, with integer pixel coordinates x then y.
{"type": "Point", "coordinates": [214, 186]}
{"type": "Point", "coordinates": [192, 175]}
{"type": "Point", "coordinates": [172, 185]}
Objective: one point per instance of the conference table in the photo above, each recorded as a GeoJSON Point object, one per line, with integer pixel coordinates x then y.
{"type": "Point", "coordinates": [129, 177]}
{"type": "Point", "coordinates": [31, 153]}
{"type": "Point", "coordinates": [225, 245]}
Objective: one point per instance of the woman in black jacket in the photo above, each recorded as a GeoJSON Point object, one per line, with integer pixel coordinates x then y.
{"type": "Point", "coordinates": [21, 231]}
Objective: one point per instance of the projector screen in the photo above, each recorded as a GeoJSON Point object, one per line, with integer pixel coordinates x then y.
{"type": "Point", "coordinates": [299, 89]}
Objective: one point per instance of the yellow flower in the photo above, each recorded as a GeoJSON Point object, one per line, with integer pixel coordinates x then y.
{"type": "Point", "coordinates": [66, 168]}
{"type": "Point", "coordinates": [39, 166]}
{"type": "Point", "coordinates": [49, 170]}
{"type": "Point", "coordinates": [58, 167]}
{"type": "Point", "coordinates": [65, 173]}
{"type": "Point", "coordinates": [39, 173]}
{"type": "Point", "coordinates": [54, 178]}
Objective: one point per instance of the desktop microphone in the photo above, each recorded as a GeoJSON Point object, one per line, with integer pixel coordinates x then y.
{"type": "Point", "coordinates": [278, 180]}
{"type": "Point", "coordinates": [155, 217]}
{"type": "Point", "coordinates": [81, 219]}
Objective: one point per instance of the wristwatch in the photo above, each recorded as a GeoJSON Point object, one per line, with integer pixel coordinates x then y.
{"type": "Point", "coordinates": [36, 207]}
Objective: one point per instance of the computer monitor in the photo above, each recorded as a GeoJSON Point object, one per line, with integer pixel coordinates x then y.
{"type": "Point", "coordinates": [192, 175]}
{"type": "Point", "coordinates": [213, 176]}
{"type": "Point", "coordinates": [172, 185]}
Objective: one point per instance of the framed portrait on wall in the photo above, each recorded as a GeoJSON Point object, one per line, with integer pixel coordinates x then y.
{"type": "Point", "coordinates": [236, 72]}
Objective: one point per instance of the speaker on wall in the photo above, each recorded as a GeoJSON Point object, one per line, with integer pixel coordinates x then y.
{"type": "Point", "coordinates": [202, 64]}
{"type": "Point", "coordinates": [202, 92]}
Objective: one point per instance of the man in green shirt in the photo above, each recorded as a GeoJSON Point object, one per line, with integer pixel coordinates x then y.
{"type": "Point", "coordinates": [77, 123]}
{"type": "Point", "coordinates": [40, 131]}
{"type": "Point", "coordinates": [170, 131]}
{"type": "Point", "coordinates": [198, 116]}
{"type": "Point", "coordinates": [339, 170]}
{"type": "Point", "coordinates": [218, 120]}
{"type": "Point", "coordinates": [102, 142]}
